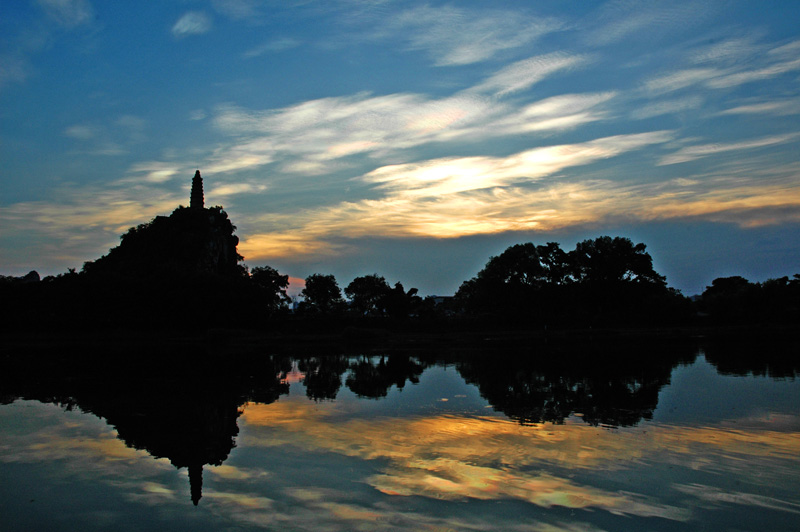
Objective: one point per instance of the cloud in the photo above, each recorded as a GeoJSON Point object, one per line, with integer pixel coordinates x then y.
{"type": "Point", "coordinates": [237, 9]}
{"type": "Point", "coordinates": [682, 79]}
{"type": "Point", "coordinates": [447, 176]}
{"type": "Point", "coordinates": [691, 153]}
{"type": "Point", "coordinates": [311, 135]}
{"type": "Point", "coordinates": [664, 107]}
{"type": "Point", "coordinates": [155, 171]}
{"type": "Point", "coordinates": [620, 20]}
{"type": "Point", "coordinates": [737, 64]}
{"type": "Point", "coordinates": [236, 188]}
{"type": "Point", "coordinates": [277, 244]}
{"type": "Point", "coordinates": [191, 23]}
{"type": "Point", "coordinates": [13, 69]}
{"type": "Point", "coordinates": [455, 36]}
{"type": "Point", "coordinates": [455, 197]}
{"type": "Point", "coordinates": [81, 131]}
{"type": "Point", "coordinates": [276, 45]}
{"type": "Point", "coordinates": [434, 200]}
{"type": "Point", "coordinates": [68, 13]}
{"type": "Point", "coordinates": [523, 74]}
{"type": "Point", "coordinates": [731, 51]}
{"type": "Point", "coordinates": [775, 107]}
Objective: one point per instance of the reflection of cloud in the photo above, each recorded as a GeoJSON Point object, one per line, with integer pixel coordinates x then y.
{"type": "Point", "coordinates": [191, 23]}
{"type": "Point", "coordinates": [718, 497]}
{"type": "Point", "coordinates": [229, 472]}
{"type": "Point", "coordinates": [457, 457]}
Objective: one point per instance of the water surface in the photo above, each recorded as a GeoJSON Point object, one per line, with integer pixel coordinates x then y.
{"type": "Point", "coordinates": [698, 438]}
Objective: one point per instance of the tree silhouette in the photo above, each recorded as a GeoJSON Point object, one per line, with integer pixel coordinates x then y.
{"type": "Point", "coordinates": [272, 287]}
{"type": "Point", "coordinates": [400, 304]}
{"type": "Point", "coordinates": [608, 281]}
{"type": "Point", "coordinates": [368, 294]}
{"type": "Point", "coordinates": [322, 294]}
{"type": "Point", "coordinates": [613, 260]}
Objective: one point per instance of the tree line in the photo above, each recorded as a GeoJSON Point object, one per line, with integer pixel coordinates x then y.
{"type": "Point", "coordinates": [602, 282]}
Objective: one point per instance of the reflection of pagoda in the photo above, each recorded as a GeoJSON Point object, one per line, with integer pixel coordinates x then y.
{"type": "Point", "coordinates": [173, 401]}
{"type": "Point", "coordinates": [190, 429]}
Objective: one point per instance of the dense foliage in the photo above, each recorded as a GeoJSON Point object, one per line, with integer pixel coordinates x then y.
{"type": "Point", "coordinates": [604, 281]}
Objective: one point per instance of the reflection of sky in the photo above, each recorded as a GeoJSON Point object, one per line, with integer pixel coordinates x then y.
{"type": "Point", "coordinates": [417, 461]}
{"type": "Point", "coordinates": [699, 395]}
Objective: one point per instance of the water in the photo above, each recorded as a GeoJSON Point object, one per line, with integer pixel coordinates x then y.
{"type": "Point", "coordinates": [679, 438]}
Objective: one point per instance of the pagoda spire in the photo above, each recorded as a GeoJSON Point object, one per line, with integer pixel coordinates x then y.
{"type": "Point", "coordinates": [196, 201]}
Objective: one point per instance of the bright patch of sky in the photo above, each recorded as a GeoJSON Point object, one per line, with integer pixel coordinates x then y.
{"type": "Point", "coordinates": [411, 139]}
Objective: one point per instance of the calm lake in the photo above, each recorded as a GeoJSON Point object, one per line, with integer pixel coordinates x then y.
{"type": "Point", "coordinates": [634, 437]}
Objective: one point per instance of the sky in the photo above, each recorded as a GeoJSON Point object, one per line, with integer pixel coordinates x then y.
{"type": "Point", "coordinates": [410, 139]}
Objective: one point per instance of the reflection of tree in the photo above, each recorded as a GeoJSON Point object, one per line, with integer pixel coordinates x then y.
{"type": "Point", "coordinates": [179, 406]}
{"type": "Point", "coordinates": [323, 376]}
{"type": "Point", "coordinates": [370, 379]}
{"type": "Point", "coordinates": [604, 387]}
{"type": "Point", "coordinates": [777, 360]}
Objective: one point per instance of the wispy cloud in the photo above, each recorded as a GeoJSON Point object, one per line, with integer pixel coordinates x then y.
{"type": "Point", "coordinates": [682, 79]}
{"type": "Point", "coordinates": [191, 23]}
{"type": "Point", "coordinates": [775, 107]}
{"type": "Point", "coordinates": [739, 64]}
{"type": "Point", "coordinates": [455, 36]}
{"type": "Point", "coordinates": [664, 107]}
{"type": "Point", "coordinates": [154, 171]}
{"type": "Point", "coordinates": [523, 74]}
{"type": "Point", "coordinates": [82, 223]}
{"type": "Point", "coordinates": [691, 153]}
{"type": "Point", "coordinates": [233, 189]}
{"type": "Point", "coordinates": [618, 20]}
{"type": "Point", "coordinates": [454, 197]}
{"type": "Point", "coordinates": [448, 176]}
{"type": "Point", "coordinates": [14, 68]}
{"type": "Point", "coordinates": [68, 13]}
{"type": "Point", "coordinates": [308, 136]}
{"type": "Point", "coordinates": [237, 9]}
{"type": "Point", "coordinates": [81, 131]}
{"type": "Point", "coordinates": [276, 45]}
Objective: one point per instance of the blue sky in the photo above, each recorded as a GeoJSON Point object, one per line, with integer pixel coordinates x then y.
{"type": "Point", "coordinates": [409, 139]}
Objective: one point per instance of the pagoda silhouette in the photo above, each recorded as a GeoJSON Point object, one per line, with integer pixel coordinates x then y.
{"type": "Point", "coordinates": [193, 240]}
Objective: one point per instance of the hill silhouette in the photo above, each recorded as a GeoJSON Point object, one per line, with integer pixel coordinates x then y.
{"type": "Point", "coordinates": [189, 241]}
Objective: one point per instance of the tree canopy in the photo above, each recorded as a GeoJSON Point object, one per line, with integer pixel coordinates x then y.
{"type": "Point", "coordinates": [321, 294]}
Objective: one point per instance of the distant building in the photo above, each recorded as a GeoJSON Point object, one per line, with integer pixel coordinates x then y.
{"type": "Point", "coordinates": [196, 200]}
